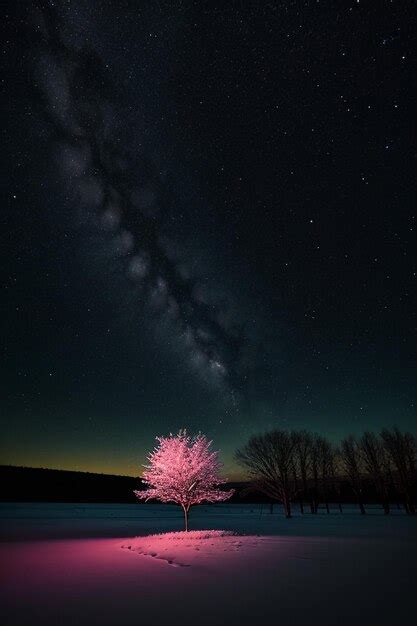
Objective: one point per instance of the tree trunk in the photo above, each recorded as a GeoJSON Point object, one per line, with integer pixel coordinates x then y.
{"type": "Point", "coordinates": [185, 518]}
{"type": "Point", "coordinates": [304, 494]}
{"type": "Point", "coordinates": [295, 486]}
{"type": "Point", "coordinates": [408, 505]}
{"type": "Point", "coordinates": [384, 500]}
{"type": "Point", "coordinates": [287, 507]}
{"type": "Point", "coordinates": [315, 490]}
{"type": "Point", "coordinates": [312, 505]}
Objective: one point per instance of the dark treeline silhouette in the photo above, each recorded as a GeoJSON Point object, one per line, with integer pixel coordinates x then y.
{"type": "Point", "coordinates": [303, 467]}
{"type": "Point", "coordinates": [35, 484]}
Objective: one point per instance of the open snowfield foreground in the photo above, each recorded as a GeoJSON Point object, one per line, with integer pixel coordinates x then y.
{"type": "Point", "coordinates": [108, 564]}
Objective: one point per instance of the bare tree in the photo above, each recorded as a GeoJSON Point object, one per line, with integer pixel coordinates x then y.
{"type": "Point", "coordinates": [269, 461]}
{"type": "Point", "coordinates": [334, 470]}
{"type": "Point", "coordinates": [303, 442]}
{"type": "Point", "coordinates": [296, 481]}
{"type": "Point", "coordinates": [325, 462]}
{"type": "Point", "coordinates": [315, 472]}
{"type": "Point", "coordinates": [402, 450]}
{"type": "Point", "coordinates": [351, 461]}
{"type": "Point", "coordinates": [375, 462]}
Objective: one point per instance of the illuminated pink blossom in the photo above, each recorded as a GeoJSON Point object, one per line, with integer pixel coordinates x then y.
{"type": "Point", "coordinates": [183, 470]}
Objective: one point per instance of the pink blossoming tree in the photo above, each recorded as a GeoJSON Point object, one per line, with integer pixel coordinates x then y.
{"type": "Point", "coordinates": [183, 470]}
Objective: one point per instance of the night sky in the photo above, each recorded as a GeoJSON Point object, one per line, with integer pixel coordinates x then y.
{"type": "Point", "coordinates": [209, 223]}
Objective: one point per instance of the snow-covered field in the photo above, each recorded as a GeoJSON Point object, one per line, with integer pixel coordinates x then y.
{"type": "Point", "coordinates": [70, 564]}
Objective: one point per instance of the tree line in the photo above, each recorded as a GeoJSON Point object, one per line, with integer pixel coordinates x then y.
{"type": "Point", "coordinates": [306, 468]}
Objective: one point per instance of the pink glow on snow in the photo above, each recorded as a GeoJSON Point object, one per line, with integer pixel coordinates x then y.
{"type": "Point", "coordinates": [221, 579]}
{"type": "Point", "coordinates": [185, 549]}
{"type": "Point", "coordinates": [52, 575]}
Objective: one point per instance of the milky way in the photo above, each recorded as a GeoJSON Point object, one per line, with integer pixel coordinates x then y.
{"type": "Point", "coordinates": [126, 197]}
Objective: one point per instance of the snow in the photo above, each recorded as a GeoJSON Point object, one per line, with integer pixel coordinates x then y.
{"type": "Point", "coordinates": [178, 549]}
{"type": "Point", "coordinates": [115, 565]}
{"type": "Point", "coordinates": [192, 535]}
